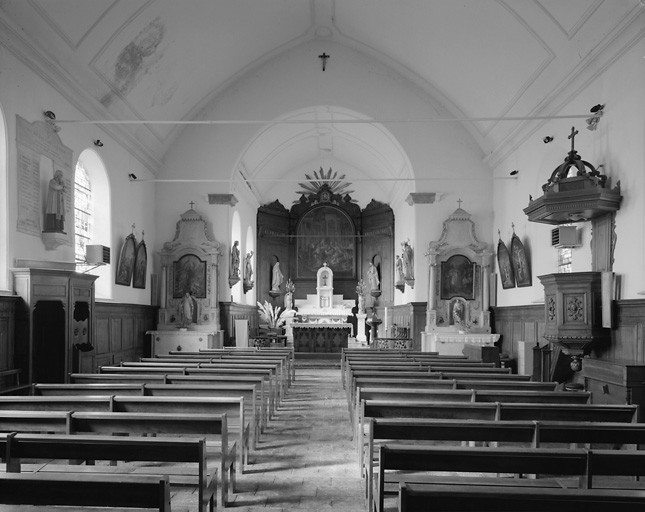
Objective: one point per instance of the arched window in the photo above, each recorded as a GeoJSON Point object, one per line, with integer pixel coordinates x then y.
{"type": "Point", "coordinates": [92, 216]}
{"type": "Point", "coordinates": [83, 212]}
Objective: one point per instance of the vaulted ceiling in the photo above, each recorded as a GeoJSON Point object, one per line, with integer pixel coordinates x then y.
{"type": "Point", "coordinates": [165, 60]}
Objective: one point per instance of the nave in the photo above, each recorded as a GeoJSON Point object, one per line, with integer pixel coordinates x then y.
{"type": "Point", "coordinates": [304, 460]}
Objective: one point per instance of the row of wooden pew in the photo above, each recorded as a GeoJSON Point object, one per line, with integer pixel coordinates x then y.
{"type": "Point", "coordinates": [402, 424]}
{"type": "Point", "coordinates": [223, 399]}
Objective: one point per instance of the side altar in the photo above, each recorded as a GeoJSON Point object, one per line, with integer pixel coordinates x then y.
{"type": "Point", "coordinates": [189, 312]}
{"type": "Point", "coordinates": [458, 289]}
{"type": "Point", "coordinates": [324, 326]}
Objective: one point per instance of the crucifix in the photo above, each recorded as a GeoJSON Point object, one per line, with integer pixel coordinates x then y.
{"type": "Point", "coordinates": [459, 201]}
{"type": "Point", "coordinates": [574, 132]}
{"type": "Point", "coordinates": [192, 203]}
{"type": "Point", "coordinates": [323, 57]}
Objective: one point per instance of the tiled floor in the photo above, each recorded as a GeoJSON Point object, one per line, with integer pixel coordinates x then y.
{"type": "Point", "coordinates": [305, 461]}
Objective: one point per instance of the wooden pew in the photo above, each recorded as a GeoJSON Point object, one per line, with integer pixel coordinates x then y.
{"type": "Point", "coordinates": [284, 361]}
{"type": "Point", "coordinates": [415, 497]}
{"type": "Point", "coordinates": [170, 372]}
{"type": "Point", "coordinates": [399, 457]}
{"type": "Point", "coordinates": [526, 433]}
{"type": "Point", "coordinates": [432, 383]}
{"type": "Point", "coordinates": [233, 407]}
{"type": "Point", "coordinates": [148, 378]}
{"type": "Point", "coordinates": [108, 423]}
{"type": "Point", "coordinates": [131, 449]}
{"type": "Point", "coordinates": [106, 491]}
{"type": "Point", "coordinates": [464, 395]}
{"type": "Point", "coordinates": [492, 411]}
{"type": "Point", "coordinates": [287, 353]}
{"type": "Point", "coordinates": [276, 376]}
{"type": "Point", "coordinates": [215, 390]}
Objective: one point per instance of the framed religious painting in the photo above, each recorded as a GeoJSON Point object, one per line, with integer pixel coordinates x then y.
{"type": "Point", "coordinates": [125, 265]}
{"type": "Point", "coordinates": [189, 276]}
{"type": "Point", "coordinates": [140, 266]}
{"type": "Point", "coordinates": [458, 278]}
{"type": "Point", "coordinates": [520, 261]}
{"type": "Point", "coordinates": [506, 274]}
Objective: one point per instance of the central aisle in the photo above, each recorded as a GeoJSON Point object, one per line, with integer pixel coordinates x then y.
{"type": "Point", "coordinates": [305, 461]}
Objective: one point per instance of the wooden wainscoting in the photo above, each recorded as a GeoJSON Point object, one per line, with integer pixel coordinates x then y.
{"type": "Point", "coordinates": [119, 334]}
{"type": "Point", "coordinates": [518, 323]}
{"type": "Point", "coordinates": [231, 311]}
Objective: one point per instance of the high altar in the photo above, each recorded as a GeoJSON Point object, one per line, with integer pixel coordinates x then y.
{"type": "Point", "coordinates": [458, 289]}
{"type": "Point", "coordinates": [189, 312]}
{"type": "Point", "coordinates": [324, 326]}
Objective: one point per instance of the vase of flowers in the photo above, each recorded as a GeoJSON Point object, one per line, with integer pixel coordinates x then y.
{"type": "Point", "coordinates": [274, 316]}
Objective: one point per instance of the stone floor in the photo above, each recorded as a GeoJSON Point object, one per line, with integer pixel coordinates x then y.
{"type": "Point", "coordinates": [305, 461]}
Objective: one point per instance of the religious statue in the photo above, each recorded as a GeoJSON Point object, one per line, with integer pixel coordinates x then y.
{"type": "Point", "coordinates": [248, 267]}
{"type": "Point", "coordinates": [458, 312]}
{"type": "Point", "coordinates": [186, 310]}
{"type": "Point", "coordinates": [276, 274]}
{"type": "Point", "coordinates": [289, 289]}
{"type": "Point", "coordinates": [400, 274]}
{"type": "Point", "coordinates": [372, 277]}
{"type": "Point", "coordinates": [360, 291]}
{"type": "Point", "coordinates": [235, 260]}
{"type": "Point", "coordinates": [408, 260]}
{"type": "Point", "coordinates": [55, 208]}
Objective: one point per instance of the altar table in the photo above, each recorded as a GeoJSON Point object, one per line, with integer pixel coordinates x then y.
{"type": "Point", "coordinates": [320, 337]}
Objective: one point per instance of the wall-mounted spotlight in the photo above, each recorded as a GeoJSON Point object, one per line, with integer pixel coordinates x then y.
{"type": "Point", "coordinates": [547, 139]}
{"type": "Point", "coordinates": [514, 172]}
{"type": "Point", "coordinates": [98, 143]}
{"type": "Point", "coordinates": [49, 115]}
{"type": "Point", "coordinates": [132, 176]}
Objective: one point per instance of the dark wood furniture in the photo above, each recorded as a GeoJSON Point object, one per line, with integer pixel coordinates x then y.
{"type": "Point", "coordinates": [615, 382]}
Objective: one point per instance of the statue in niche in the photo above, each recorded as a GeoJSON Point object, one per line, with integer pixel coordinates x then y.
{"type": "Point", "coordinates": [372, 277]}
{"type": "Point", "coordinates": [408, 260]}
{"type": "Point", "coordinates": [248, 267]}
{"type": "Point", "coordinates": [188, 310]}
{"type": "Point", "coordinates": [55, 208]}
{"type": "Point", "coordinates": [235, 260]}
{"type": "Point", "coordinates": [458, 313]}
{"type": "Point", "coordinates": [276, 274]}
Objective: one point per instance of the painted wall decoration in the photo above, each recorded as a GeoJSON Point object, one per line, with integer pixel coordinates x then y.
{"type": "Point", "coordinates": [140, 266]}
{"type": "Point", "coordinates": [325, 235]}
{"type": "Point", "coordinates": [189, 277]}
{"type": "Point", "coordinates": [458, 278]}
{"type": "Point", "coordinates": [125, 265]}
{"type": "Point", "coordinates": [521, 266]}
{"type": "Point", "coordinates": [506, 274]}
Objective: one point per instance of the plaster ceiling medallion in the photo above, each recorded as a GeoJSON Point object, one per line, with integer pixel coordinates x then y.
{"type": "Point", "coordinates": [575, 192]}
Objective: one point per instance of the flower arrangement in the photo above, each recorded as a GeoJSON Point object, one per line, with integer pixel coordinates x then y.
{"type": "Point", "coordinates": [274, 316]}
{"type": "Point", "coordinates": [361, 288]}
{"type": "Point", "coordinates": [290, 287]}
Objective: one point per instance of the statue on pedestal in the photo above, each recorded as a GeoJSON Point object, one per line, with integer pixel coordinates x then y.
{"type": "Point", "coordinates": [55, 208]}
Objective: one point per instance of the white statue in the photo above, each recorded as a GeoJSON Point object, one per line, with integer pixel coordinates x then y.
{"type": "Point", "coordinates": [372, 277]}
{"type": "Point", "coordinates": [276, 274]}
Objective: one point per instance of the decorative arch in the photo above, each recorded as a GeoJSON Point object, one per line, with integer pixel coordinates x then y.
{"type": "Point", "coordinates": [102, 216]}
